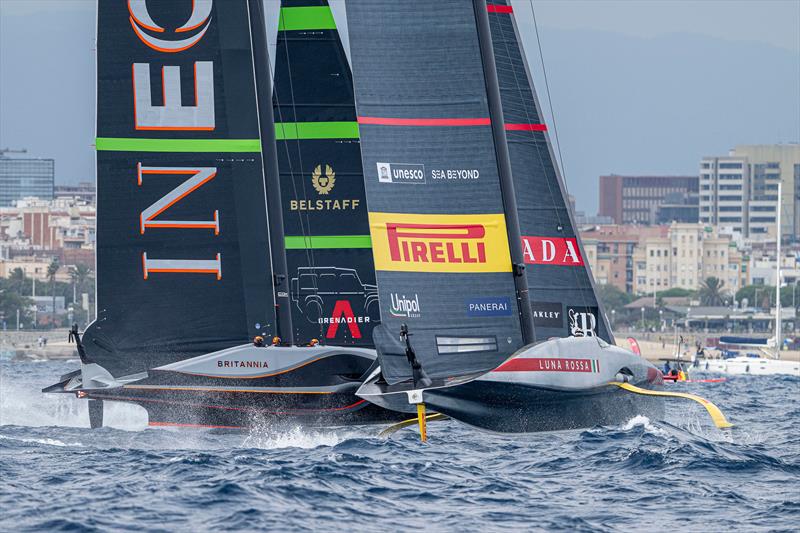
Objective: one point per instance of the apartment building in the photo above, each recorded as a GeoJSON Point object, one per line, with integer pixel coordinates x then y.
{"type": "Point", "coordinates": [609, 250]}
{"type": "Point", "coordinates": [684, 257]}
{"type": "Point", "coordinates": [739, 192]}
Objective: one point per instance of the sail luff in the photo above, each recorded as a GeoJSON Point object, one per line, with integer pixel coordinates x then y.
{"type": "Point", "coordinates": [269, 154]}
{"type": "Point", "coordinates": [504, 164]}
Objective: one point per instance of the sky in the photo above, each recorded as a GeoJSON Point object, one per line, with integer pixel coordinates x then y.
{"type": "Point", "coordinates": [637, 87]}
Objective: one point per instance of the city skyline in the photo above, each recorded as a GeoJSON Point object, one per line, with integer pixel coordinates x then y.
{"type": "Point", "coordinates": [634, 90]}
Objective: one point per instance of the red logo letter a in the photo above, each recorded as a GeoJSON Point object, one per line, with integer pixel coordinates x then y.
{"type": "Point", "coordinates": [343, 309]}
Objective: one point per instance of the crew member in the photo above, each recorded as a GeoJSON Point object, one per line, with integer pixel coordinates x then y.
{"type": "Point", "coordinates": [313, 342]}
{"type": "Point", "coordinates": [276, 340]}
{"type": "Point", "coordinates": [258, 340]}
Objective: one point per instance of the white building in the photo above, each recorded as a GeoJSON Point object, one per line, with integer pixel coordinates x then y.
{"type": "Point", "coordinates": [739, 192]}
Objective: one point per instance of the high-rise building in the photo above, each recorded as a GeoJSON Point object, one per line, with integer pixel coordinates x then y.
{"type": "Point", "coordinates": [739, 192]}
{"type": "Point", "coordinates": [21, 178]}
{"type": "Point", "coordinates": [635, 199]}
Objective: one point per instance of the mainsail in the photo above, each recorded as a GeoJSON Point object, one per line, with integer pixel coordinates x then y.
{"type": "Point", "coordinates": [183, 255]}
{"type": "Point", "coordinates": [333, 292]}
{"type": "Point", "coordinates": [561, 288]}
{"type": "Point", "coordinates": [440, 233]}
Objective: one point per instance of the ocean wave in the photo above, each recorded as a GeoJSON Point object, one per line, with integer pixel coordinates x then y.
{"type": "Point", "coordinates": [680, 472]}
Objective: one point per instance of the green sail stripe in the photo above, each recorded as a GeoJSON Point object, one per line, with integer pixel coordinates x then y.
{"type": "Point", "coordinates": [121, 144]}
{"type": "Point", "coordinates": [327, 241]}
{"type": "Point", "coordinates": [306, 18]}
{"type": "Point", "coordinates": [316, 130]}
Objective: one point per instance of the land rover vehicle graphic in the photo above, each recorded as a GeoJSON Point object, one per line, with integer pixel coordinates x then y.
{"type": "Point", "coordinates": [316, 291]}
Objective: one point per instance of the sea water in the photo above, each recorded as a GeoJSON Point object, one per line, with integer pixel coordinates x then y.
{"type": "Point", "coordinates": [679, 474]}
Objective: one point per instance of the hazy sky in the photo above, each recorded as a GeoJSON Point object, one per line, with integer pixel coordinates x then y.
{"type": "Point", "coordinates": [637, 86]}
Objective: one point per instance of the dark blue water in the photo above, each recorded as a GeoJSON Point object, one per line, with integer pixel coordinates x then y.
{"type": "Point", "coordinates": [682, 474]}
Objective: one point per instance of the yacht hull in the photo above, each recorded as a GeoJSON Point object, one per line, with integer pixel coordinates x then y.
{"type": "Point", "coordinates": [242, 410]}
{"type": "Point", "coordinates": [516, 408]}
{"type": "Point", "coordinates": [754, 366]}
{"type": "Point", "coordinates": [243, 386]}
{"type": "Point", "coordinates": [559, 384]}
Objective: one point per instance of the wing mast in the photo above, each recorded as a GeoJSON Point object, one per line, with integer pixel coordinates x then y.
{"type": "Point", "coordinates": [269, 154]}
{"type": "Point", "coordinates": [504, 167]}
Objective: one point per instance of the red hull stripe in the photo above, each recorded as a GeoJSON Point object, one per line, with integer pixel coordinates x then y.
{"type": "Point", "coordinates": [526, 127]}
{"type": "Point", "coordinates": [388, 121]}
{"type": "Point", "coordinates": [520, 364]}
{"type": "Point", "coordinates": [496, 8]}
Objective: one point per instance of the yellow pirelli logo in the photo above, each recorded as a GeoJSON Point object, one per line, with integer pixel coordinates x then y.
{"type": "Point", "coordinates": [440, 243]}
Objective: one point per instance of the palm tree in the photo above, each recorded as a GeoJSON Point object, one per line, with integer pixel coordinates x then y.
{"type": "Point", "coordinates": [80, 275]}
{"type": "Point", "coordinates": [52, 270]}
{"type": "Point", "coordinates": [17, 275]}
{"type": "Point", "coordinates": [711, 292]}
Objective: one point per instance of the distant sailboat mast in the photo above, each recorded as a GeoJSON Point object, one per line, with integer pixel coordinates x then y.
{"type": "Point", "coordinates": [778, 280]}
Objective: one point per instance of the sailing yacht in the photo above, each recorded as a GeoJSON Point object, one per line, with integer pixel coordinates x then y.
{"type": "Point", "coordinates": [384, 230]}
{"type": "Point", "coordinates": [768, 362]}
{"type": "Point", "coordinates": [505, 332]}
{"type": "Point", "coordinates": [200, 320]}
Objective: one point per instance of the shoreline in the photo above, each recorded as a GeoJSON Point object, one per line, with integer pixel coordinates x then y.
{"type": "Point", "coordinates": [23, 345]}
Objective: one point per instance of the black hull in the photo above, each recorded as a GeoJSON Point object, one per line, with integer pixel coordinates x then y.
{"type": "Point", "coordinates": [241, 387]}
{"type": "Point", "coordinates": [242, 410]}
{"type": "Point", "coordinates": [504, 407]}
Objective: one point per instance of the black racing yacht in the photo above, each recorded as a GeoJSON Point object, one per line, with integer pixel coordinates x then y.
{"type": "Point", "coordinates": [497, 323]}
{"type": "Point", "coordinates": [203, 197]}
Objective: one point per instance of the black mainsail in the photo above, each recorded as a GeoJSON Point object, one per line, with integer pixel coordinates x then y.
{"type": "Point", "coordinates": [561, 288]}
{"type": "Point", "coordinates": [433, 170]}
{"type": "Point", "coordinates": [183, 255]}
{"type": "Point", "coordinates": [333, 292]}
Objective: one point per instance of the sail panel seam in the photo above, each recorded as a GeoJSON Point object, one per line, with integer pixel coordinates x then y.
{"type": "Point", "coordinates": [499, 8]}
{"type": "Point", "coordinates": [526, 127]}
{"type": "Point", "coordinates": [395, 121]}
